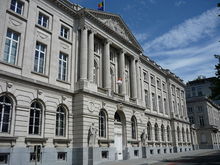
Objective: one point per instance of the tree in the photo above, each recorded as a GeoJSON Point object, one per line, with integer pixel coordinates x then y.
{"type": "Point", "coordinates": [216, 83]}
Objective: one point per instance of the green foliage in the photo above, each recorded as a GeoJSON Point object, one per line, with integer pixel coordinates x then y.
{"type": "Point", "coordinates": [216, 82]}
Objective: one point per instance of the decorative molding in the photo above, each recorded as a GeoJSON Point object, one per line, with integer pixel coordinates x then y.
{"type": "Point", "coordinates": [15, 22]}
{"type": "Point", "coordinates": [120, 106]}
{"type": "Point", "coordinates": [42, 35]}
{"type": "Point", "coordinates": [91, 107]}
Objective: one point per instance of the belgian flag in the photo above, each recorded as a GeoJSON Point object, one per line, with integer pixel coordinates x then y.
{"type": "Point", "coordinates": [101, 6]}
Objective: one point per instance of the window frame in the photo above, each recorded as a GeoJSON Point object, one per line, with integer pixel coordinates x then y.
{"type": "Point", "coordinates": [41, 21]}
{"type": "Point", "coordinates": [11, 42]}
{"type": "Point", "coordinates": [2, 117]}
{"type": "Point", "coordinates": [65, 32]}
{"type": "Point", "coordinates": [16, 7]}
{"type": "Point", "coordinates": [61, 63]}
{"type": "Point", "coordinates": [59, 128]}
{"type": "Point", "coordinates": [39, 58]}
{"type": "Point", "coordinates": [33, 125]}
{"type": "Point", "coordinates": [102, 124]}
{"type": "Point", "coordinates": [133, 127]}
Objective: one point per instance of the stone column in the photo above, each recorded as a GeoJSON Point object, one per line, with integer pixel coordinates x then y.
{"type": "Point", "coordinates": [133, 79]}
{"type": "Point", "coordinates": [122, 70]}
{"type": "Point", "coordinates": [106, 65]}
{"type": "Point", "coordinates": [91, 56]}
{"type": "Point", "coordinates": [83, 54]}
{"type": "Point", "coordinates": [139, 89]}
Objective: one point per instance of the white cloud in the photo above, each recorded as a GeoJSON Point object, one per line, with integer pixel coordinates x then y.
{"type": "Point", "coordinates": [190, 31]}
{"type": "Point", "coordinates": [179, 3]}
{"type": "Point", "coordinates": [141, 36]}
{"type": "Point", "coordinates": [190, 62]}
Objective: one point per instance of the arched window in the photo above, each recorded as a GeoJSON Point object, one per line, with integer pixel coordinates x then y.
{"type": "Point", "coordinates": [117, 117]}
{"type": "Point", "coordinates": [35, 118]}
{"type": "Point", "coordinates": [95, 73]}
{"type": "Point", "coordinates": [60, 121]}
{"type": "Point", "coordinates": [168, 133]}
{"type": "Point", "coordinates": [149, 130]}
{"type": "Point", "coordinates": [187, 135]}
{"type": "Point", "coordinates": [178, 134]}
{"type": "Point", "coordinates": [162, 133]}
{"type": "Point", "coordinates": [156, 131]}
{"type": "Point", "coordinates": [5, 113]}
{"type": "Point", "coordinates": [133, 127]}
{"type": "Point", "coordinates": [102, 124]}
{"type": "Point", "coordinates": [183, 134]}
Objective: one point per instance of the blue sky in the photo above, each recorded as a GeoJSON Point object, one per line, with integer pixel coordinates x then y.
{"type": "Point", "coordinates": [180, 35]}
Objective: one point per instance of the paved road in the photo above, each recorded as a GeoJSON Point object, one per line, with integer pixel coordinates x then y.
{"type": "Point", "coordinates": [198, 157]}
{"type": "Point", "coordinates": [210, 158]}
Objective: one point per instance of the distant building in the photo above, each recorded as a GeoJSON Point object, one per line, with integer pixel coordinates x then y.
{"type": "Point", "coordinates": [203, 113]}
{"type": "Point", "coordinates": [76, 89]}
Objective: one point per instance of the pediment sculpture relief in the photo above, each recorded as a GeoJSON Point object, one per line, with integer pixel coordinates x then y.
{"type": "Point", "coordinates": [114, 25]}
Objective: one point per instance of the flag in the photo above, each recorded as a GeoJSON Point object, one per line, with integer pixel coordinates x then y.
{"type": "Point", "coordinates": [101, 6]}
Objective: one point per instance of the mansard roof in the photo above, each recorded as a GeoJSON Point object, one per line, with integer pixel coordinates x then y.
{"type": "Point", "coordinates": [116, 24]}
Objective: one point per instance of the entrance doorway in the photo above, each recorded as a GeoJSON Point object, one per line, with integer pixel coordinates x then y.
{"type": "Point", "coordinates": [119, 134]}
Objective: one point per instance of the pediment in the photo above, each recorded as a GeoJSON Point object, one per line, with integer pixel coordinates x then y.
{"type": "Point", "coordinates": [115, 23]}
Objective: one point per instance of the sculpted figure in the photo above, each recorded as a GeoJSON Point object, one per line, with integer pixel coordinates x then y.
{"type": "Point", "coordinates": [92, 135]}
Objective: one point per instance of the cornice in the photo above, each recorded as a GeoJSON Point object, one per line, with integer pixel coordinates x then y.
{"type": "Point", "coordinates": [67, 6]}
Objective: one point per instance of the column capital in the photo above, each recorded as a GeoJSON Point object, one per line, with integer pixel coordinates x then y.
{"type": "Point", "coordinates": [123, 51]}
{"type": "Point", "coordinates": [83, 27]}
{"type": "Point", "coordinates": [107, 41]}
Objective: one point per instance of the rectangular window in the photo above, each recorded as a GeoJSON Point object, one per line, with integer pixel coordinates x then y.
{"type": "Point", "coordinates": [63, 62]}
{"type": "Point", "coordinates": [39, 60]}
{"type": "Point", "coordinates": [61, 156]}
{"type": "Point", "coordinates": [193, 91]}
{"type": "Point", "coordinates": [165, 105]}
{"type": "Point", "coordinates": [158, 83]}
{"type": "Point", "coordinates": [146, 98]}
{"type": "Point", "coordinates": [199, 91]}
{"type": "Point", "coordinates": [191, 119]}
{"type": "Point", "coordinates": [154, 102]}
{"type": "Point", "coordinates": [136, 153]}
{"type": "Point", "coordinates": [152, 79]}
{"type": "Point", "coordinates": [97, 48]}
{"type": "Point", "coordinates": [43, 20]}
{"type": "Point", "coordinates": [145, 76]}
{"type": "Point", "coordinates": [160, 104]}
{"type": "Point", "coordinates": [104, 154]}
{"type": "Point", "coordinates": [112, 55]}
{"type": "Point", "coordinates": [36, 155]}
{"type": "Point", "coordinates": [4, 158]}
{"type": "Point", "coordinates": [200, 109]}
{"type": "Point", "coordinates": [17, 6]}
{"type": "Point", "coordinates": [190, 110]}
{"type": "Point", "coordinates": [164, 86]}
{"type": "Point", "coordinates": [64, 32]}
{"type": "Point", "coordinates": [11, 47]}
{"type": "Point", "coordinates": [201, 121]}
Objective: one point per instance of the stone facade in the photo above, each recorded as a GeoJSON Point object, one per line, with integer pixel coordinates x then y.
{"type": "Point", "coordinates": [203, 113]}
{"type": "Point", "coordinates": [75, 88]}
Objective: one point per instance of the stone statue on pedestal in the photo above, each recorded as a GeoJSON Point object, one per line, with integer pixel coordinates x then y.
{"type": "Point", "coordinates": [92, 135]}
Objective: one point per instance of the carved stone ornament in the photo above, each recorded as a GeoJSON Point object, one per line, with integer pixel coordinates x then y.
{"type": "Point", "coordinates": [41, 35]}
{"type": "Point", "coordinates": [9, 85]}
{"type": "Point", "coordinates": [39, 92]}
{"type": "Point", "coordinates": [120, 106]}
{"type": "Point", "coordinates": [64, 98]}
{"type": "Point", "coordinates": [15, 22]}
{"type": "Point", "coordinates": [114, 25]}
{"type": "Point", "coordinates": [91, 107]}
{"type": "Point", "coordinates": [103, 105]}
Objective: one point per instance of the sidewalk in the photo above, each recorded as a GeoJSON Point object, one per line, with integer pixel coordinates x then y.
{"type": "Point", "coordinates": [158, 158]}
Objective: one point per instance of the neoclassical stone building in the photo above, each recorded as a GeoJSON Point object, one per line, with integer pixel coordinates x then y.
{"type": "Point", "coordinates": [75, 88]}
{"type": "Point", "coordinates": [203, 112]}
